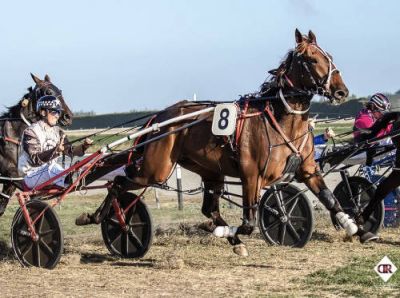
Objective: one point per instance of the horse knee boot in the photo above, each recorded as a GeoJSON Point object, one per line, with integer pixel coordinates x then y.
{"type": "Point", "coordinates": [327, 198]}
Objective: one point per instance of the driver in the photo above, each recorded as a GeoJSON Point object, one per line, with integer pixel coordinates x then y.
{"type": "Point", "coordinates": [377, 105]}
{"type": "Point", "coordinates": [43, 142]}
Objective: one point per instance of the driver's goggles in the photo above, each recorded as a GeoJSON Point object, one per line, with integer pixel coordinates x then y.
{"type": "Point", "coordinates": [55, 112]}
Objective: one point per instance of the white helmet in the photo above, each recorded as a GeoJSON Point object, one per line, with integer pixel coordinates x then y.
{"type": "Point", "coordinates": [380, 101]}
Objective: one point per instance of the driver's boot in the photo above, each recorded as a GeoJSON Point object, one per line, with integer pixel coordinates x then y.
{"type": "Point", "coordinates": [101, 212]}
{"type": "Point", "coordinates": [85, 219]}
{"type": "Point", "coordinates": [365, 236]}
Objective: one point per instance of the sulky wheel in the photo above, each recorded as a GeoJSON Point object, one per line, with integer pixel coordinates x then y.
{"type": "Point", "coordinates": [46, 251]}
{"type": "Point", "coordinates": [135, 241]}
{"type": "Point", "coordinates": [362, 192]}
{"type": "Point", "coordinates": [286, 216]}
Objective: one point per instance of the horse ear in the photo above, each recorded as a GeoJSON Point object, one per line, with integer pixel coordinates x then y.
{"type": "Point", "coordinates": [273, 72]}
{"type": "Point", "coordinates": [47, 78]}
{"type": "Point", "coordinates": [311, 37]}
{"type": "Point", "coordinates": [36, 79]}
{"type": "Point", "coordinates": [298, 35]}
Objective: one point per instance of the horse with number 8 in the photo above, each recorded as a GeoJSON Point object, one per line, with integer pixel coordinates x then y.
{"type": "Point", "coordinates": [271, 141]}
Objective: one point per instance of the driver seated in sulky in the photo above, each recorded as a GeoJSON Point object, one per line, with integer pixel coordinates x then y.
{"type": "Point", "coordinates": [42, 143]}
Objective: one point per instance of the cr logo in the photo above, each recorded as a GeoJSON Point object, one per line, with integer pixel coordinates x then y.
{"type": "Point", "coordinates": [385, 268]}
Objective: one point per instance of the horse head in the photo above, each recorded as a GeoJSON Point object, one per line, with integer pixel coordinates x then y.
{"type": "Point", "coordinates": [311, 69]}
{"type": "Point", "coordinates": [46, 87]}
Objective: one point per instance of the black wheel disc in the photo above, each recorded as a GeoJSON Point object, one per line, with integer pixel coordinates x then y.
{"type": "Point", "coordinates": [362, 191]}
{"type": "Point", "coordinates": [137, 239]}
{"type": "Point", "coordinates": [291, 227]}
{"type": "Point", "coordinates": [47, 250]}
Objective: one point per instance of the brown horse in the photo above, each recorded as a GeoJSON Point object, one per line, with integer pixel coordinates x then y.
{"type": "Point", "coordinates": [13, 123]}
{"type": "Point", "coordinates": [272, 139]}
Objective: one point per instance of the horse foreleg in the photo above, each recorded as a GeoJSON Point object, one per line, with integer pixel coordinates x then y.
{"type": "Point", "coordinates": [310, 175]}
{"type": "Point", "coordinates": [8, 190]}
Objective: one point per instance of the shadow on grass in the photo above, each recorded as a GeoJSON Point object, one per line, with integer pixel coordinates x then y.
{"type": "Point", "coordinates": [324, 237]}
{"type": "Point", "coordinates": [389, 242]}
{"type": "Point", "coordinates": [6, 252]}
{"type": "Point", "coordinates": [142, 264]}
{"type": "Point", "coordinates": [94, 258]}
{"type": "Point", "coordinates": [257, 266]}
{"type": "Point", "coordinates": [87, 258]}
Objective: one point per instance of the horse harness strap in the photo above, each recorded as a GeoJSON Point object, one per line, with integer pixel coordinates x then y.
{"type": "Point", "coordinates": [285, 138]}
{"type": "Point", "coordinates": [7, 139]}
{"type": "Point", "coordinates": [135, 143]}
{"type": "Point", "coordinates": [243, 115]}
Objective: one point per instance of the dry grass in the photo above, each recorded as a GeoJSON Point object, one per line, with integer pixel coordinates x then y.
{"type": "Point", "coordinates": [184, 261]}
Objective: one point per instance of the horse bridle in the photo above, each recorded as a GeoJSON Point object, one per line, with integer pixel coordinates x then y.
{"type": "Point", "coordinates": [38, 91]}
{"type": "Point", "coordinates": [321, 85]}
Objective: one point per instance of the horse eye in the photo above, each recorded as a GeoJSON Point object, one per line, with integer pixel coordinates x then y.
{"type": "Point", "coordinates": [312, 61]}
{"type": "Point", "coordinates": [49, 92]}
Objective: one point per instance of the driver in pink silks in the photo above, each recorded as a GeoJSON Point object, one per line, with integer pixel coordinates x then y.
{"type": "Point", "coordinates": [42, 143]}
{"type": "Point", "coordinates": [377, 105]}
{"type": "Point", "coordinates": [374, 109]}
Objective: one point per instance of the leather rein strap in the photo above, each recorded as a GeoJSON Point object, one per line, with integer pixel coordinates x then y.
{"type": "Point", "coordinates": [284, 137]}
{"type": "Point", "coordinates": [7, 139]}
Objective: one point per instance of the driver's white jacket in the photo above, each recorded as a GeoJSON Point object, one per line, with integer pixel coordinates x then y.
{"type": "Point", "coordinates": [39, 147]}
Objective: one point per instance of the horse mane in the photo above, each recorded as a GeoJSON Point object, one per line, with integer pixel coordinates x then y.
{"type": "Point", "coordinates": [285, 64]}
{"type": "Point", "coordinates": [275, 80]}
{"type": "Point", "coordinates": [13, 111]}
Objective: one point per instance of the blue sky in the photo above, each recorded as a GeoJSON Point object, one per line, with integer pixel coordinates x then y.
{"type": "Point", "coordinates": [115, 56]}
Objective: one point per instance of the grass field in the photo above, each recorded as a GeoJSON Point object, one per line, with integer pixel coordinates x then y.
{"type": "Point", "coordinates": [185, 261]}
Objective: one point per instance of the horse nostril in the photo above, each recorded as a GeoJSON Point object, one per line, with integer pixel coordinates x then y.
{"type": "Point", "coordinates": [340, 94]}
{"type": "Point", "coordinates": [67, 117]}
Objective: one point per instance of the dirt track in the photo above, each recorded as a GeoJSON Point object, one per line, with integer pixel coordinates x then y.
{"type": "Point", "coordinates": [184, 261]}
{"type": "Point", "coordinates": [188, 265]}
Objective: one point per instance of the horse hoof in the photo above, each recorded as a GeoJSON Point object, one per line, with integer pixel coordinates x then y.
{"type": "Point", "coordinates": [224, 231]}
{"type": "Point", "coordinates": [241, 250]}
{"type": "Point", "coordinates": [347, 223]}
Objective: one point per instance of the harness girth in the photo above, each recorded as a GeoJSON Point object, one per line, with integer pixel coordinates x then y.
{"type": "Point", "coordinates": [293, 160]}
{"type": "Point", "coordinates": [243, 115]}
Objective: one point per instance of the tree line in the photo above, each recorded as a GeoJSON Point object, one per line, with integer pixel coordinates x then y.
{"type": "Point", "coordinates": [350, 108]}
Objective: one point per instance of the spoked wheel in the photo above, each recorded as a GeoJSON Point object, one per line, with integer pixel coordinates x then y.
{"type": "Point", "coordinates": [362, 191]}
{"type": "Point", "coordinates": [286, 216]}
{"type": "Point", "coordinates": [46, 251]}
{"type": "Point", "coordinates": [136, 239]}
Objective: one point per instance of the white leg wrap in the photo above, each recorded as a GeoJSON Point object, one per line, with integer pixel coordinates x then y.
{"type": "Point", "coordinates": [347, 223]}
{"type": "Point", "coordinates": [225, 231]}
